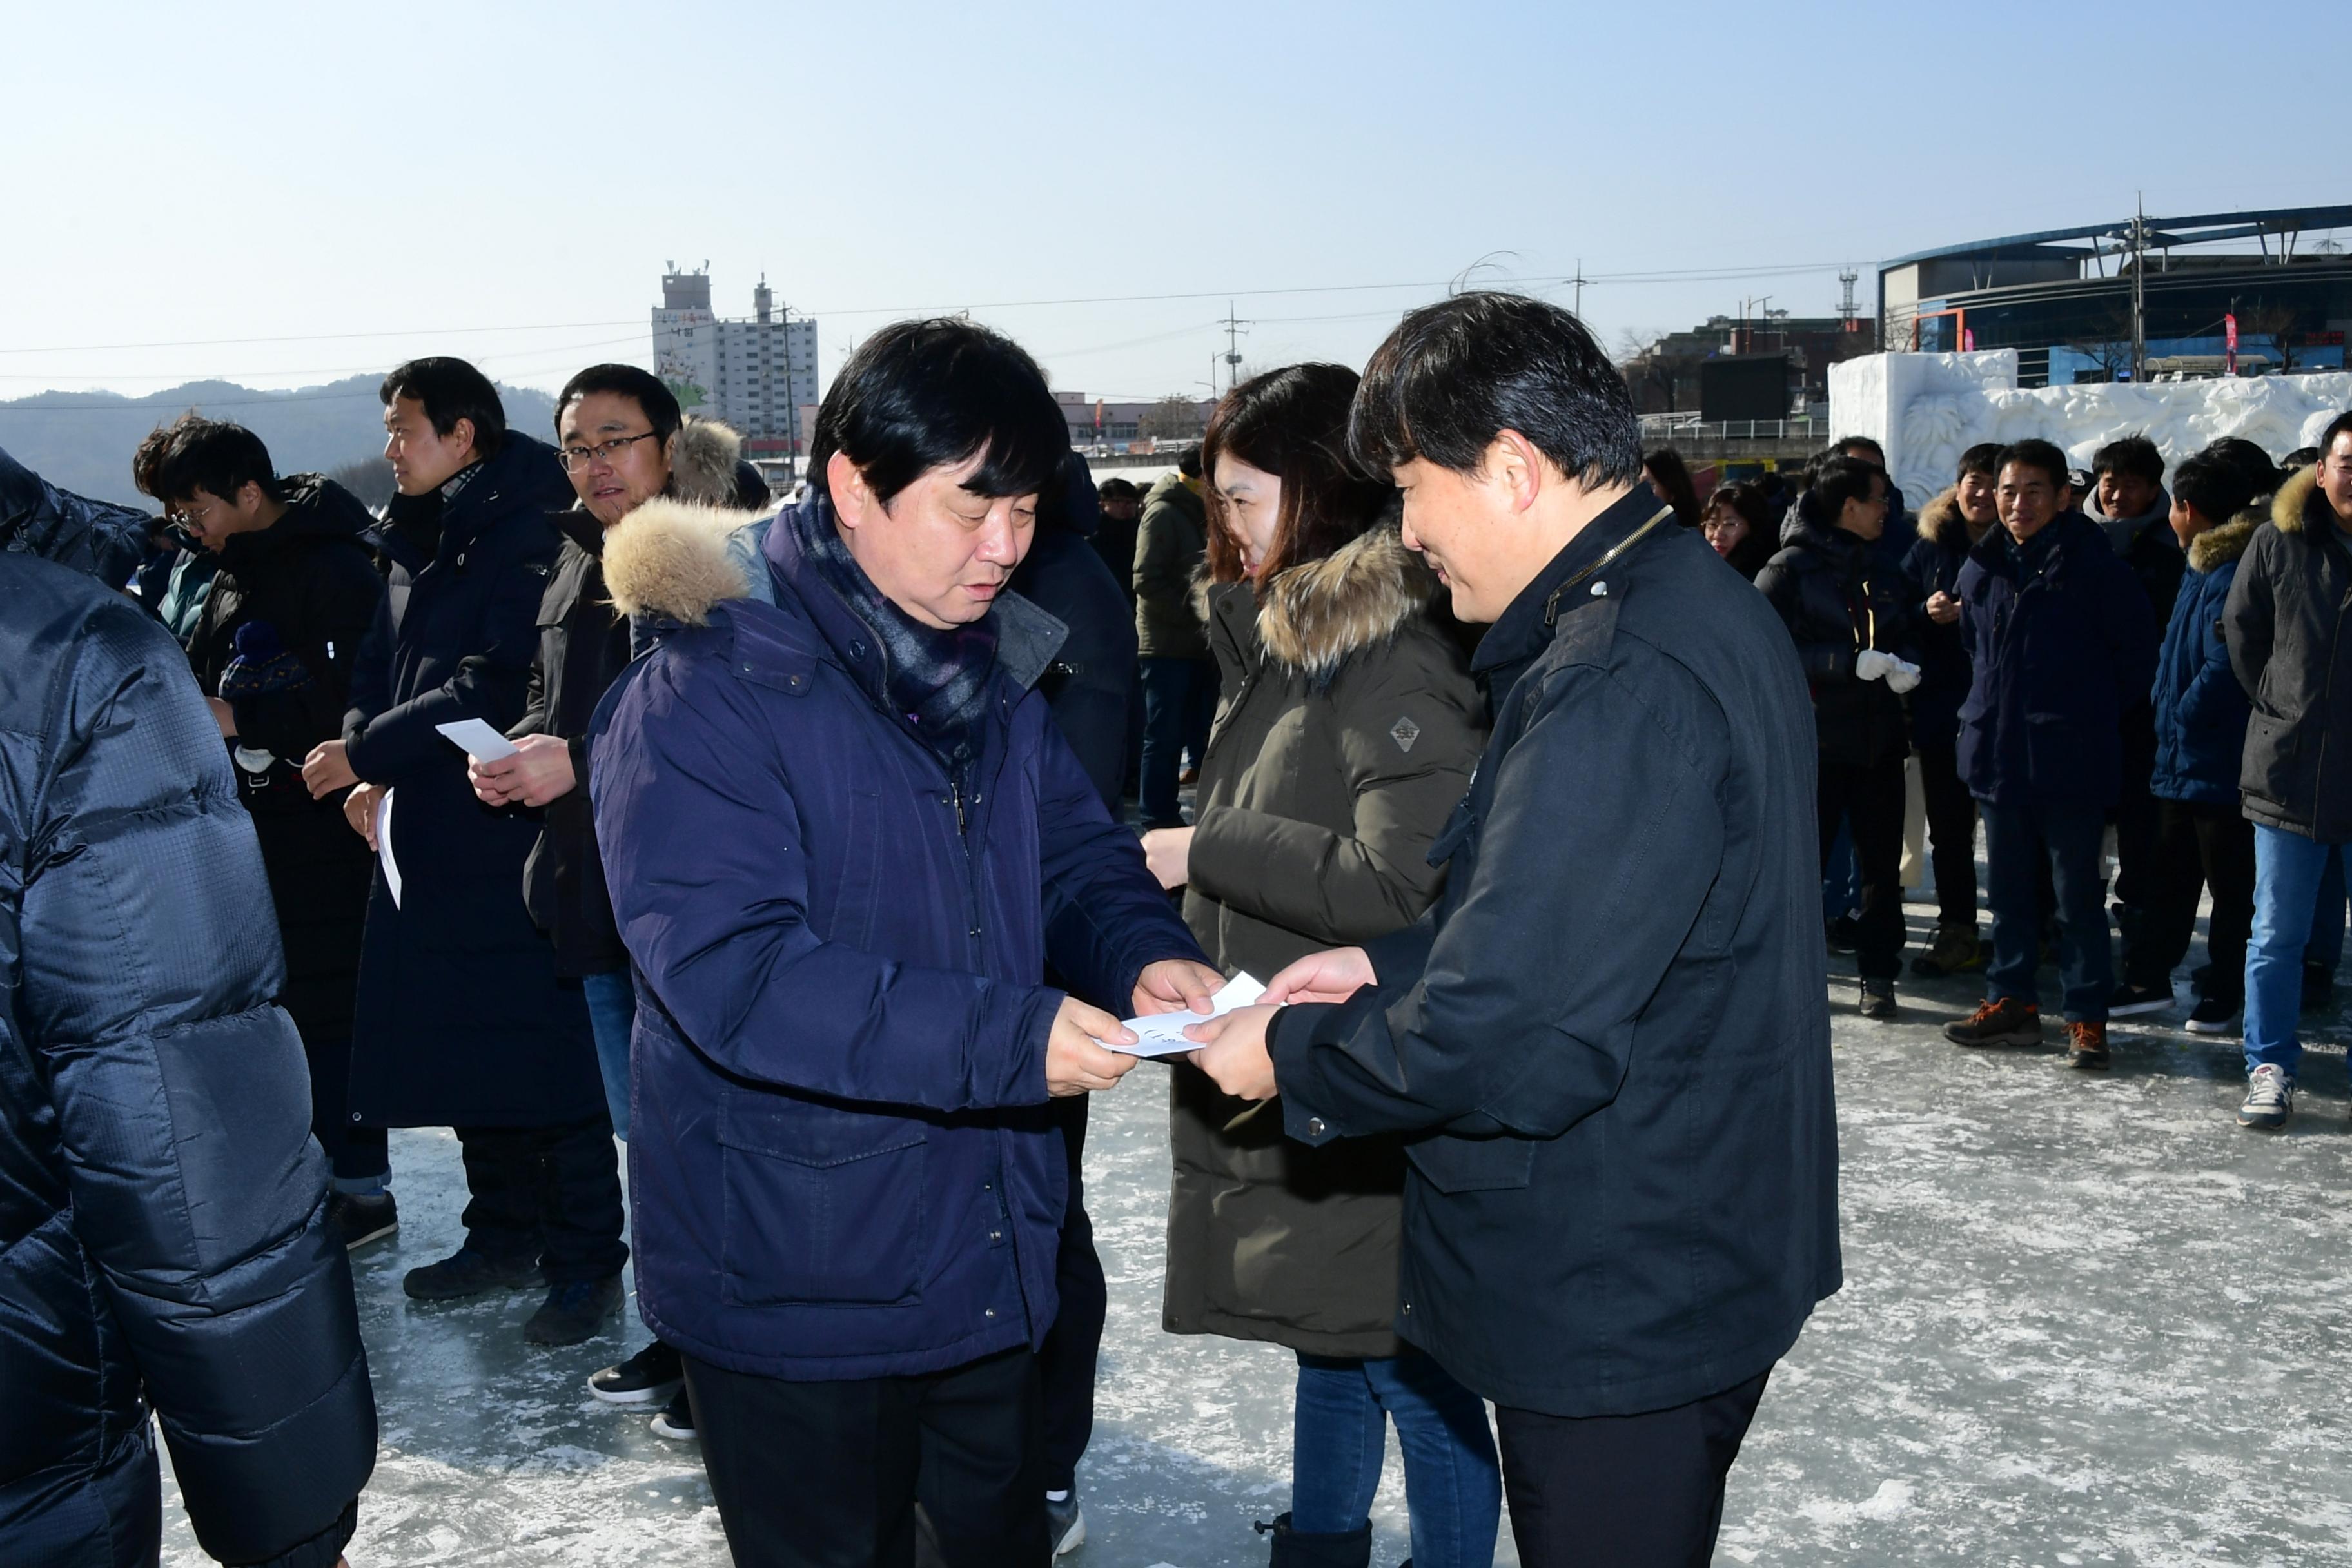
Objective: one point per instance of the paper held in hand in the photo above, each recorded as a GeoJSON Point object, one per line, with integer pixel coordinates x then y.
{"type": "Point", "coordinates": [477, 740]}
{"type": "Point", "coordinates": [383, 847]}
{"type": "Point", "coordinates": [1163, 1035]}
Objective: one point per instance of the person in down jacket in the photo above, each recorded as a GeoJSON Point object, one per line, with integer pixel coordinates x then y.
{"type": "Point", "coordinates": [165, 1257]}
{"type": "Point", "coordinates": [844, 839]}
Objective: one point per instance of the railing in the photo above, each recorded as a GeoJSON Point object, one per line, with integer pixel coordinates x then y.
{"type": "Point", "coordinates": [1666, 428]}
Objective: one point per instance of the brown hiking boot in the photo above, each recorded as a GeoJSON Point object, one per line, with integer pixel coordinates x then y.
{"type": "Point", "coordinates": [2008, 1022]}
{"type": "Point", "coordinates": [1954, 950]}
{"type": "Point", "coordinates": [2086, 1047]}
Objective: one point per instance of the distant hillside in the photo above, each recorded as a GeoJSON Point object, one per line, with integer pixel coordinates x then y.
{"type": "Point", "coordinates": [83, 440]}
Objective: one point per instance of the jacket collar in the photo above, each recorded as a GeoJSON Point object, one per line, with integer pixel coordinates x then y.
{"type": "Point", "coordinates": [1316, 613]}
{"type": "Point", "coordinates": [1941, 524]}
{"type": "Point", "coordinates": [2223, 543]}
{"type": "Point", "coordinates": [1524, 629]}
{"type": "Point", "coordinates": [2069, 533]}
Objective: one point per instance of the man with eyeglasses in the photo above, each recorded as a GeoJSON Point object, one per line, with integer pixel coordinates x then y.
{"type": "Point", "coordinates": [623, 440]}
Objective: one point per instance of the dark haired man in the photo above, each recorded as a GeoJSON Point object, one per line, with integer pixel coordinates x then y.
{"type": "Point", "coordinates": [1120, 505]}
{"type": "Point", "coordinates": [1951, 525]}
{"type": "Point", "coordinates": [2059, 646]}
{"type": "Point", "coordinates": [2130, 504]}
{"type": "Point", "coordinates": [462, 1021]}
{"type": "Point", "coordinates": [844, 839]}
{"type": "Point", "coordinates": [1179, 677]}
{"type": "Point", "coordinates": [274, 645]}
{"type": "Point", "coordinates": [1607, 1232]}
{"type": "Point", "coordinates": [2284, 623]}
{"type": "Point", "coordinates": [1848, 614]}
{"type": "Point", "coordinates": [623, 440]}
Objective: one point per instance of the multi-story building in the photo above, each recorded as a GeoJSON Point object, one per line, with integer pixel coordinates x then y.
{"type": "Point", "coordinates": [758, 376]}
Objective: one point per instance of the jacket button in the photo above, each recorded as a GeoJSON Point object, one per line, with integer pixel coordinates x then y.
{"type": "Point", "coordinates": [1314, 1127]}
{"type": "Point", "coordinates": [1408, 1307]}
{"type": "Point", "coordinates": [355, 1116]}
{"type": "Point", "coordinates": [988, 1311]}
{"type": "Point", "coordinates": [857, 648]}
{"type": "Point", "coordinates": [988, 1187]}
{"type": "Point", "coordinates": [996, 1235]}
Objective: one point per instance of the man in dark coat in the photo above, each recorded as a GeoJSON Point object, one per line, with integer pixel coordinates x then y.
{"type": "Point", "coordinates": [1950, 527]}
{"type": "Point", "coordinates": [2060, 646]}
{"type": "Point", "coordinates": [1611, 1029]}
{"type": "Point", "coordinates": [2285, 621]}
{"type": "Point", "coordinates": [1179, 679]}
{"type": "Point", "coordinates": [273, 647]}
{"type": "Point", "coordinates": [462, 1021]}
{"type": "Point", "coordinates": [2130, 504]}
{"type": "Point", "coordinates": [843, 840]}
{"type": "Point", "coordinates": [1848, 613]}
{"type": "Point", "coordinates": [166, 1257]}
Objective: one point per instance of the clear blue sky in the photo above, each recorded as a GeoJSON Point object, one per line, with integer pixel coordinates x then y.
{"type": "Point", "coordinates": [249, 171]}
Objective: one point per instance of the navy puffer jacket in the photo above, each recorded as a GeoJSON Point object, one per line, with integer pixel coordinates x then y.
{"type": "Point", "coordinates": [2201, 709]}
{"type": "Point", "coordinates": [163, 1229]}
{"type": "Point", "coordinates": [843, 1163]}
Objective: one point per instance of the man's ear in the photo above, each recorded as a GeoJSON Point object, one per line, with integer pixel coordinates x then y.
{"type": "Point", "coordinates": [461, 434]}
{"type": "Point", "coordinates": [1515, 467]}
{"type": "Point", "coordinates": [851, 495]}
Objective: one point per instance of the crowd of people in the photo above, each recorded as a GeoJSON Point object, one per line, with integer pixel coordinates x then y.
{"type": "Point", "coordinates": [588, 792]}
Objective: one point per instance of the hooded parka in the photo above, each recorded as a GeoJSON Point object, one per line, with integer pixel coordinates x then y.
{"type": "Point", "coordinates": [2201, 709]}
{"type": "Point", "coordinates": [1837, 595]}
{"type": "Point", "coordinates": [1351, 732]}
{"type": "Point", "coordinates": [2285, 620]}
{"type": "Point", "coordinates": [462, 1020]}
{"type": "Point", "coordinates": [165, 1255]}
{"type": "Point", "coordinates": [1933, 564]}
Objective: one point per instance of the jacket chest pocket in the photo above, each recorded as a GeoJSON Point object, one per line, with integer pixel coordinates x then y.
{"type": "Point", "coordinates": [821, 1206]}
{"type": "Point", "coordinates": [1474, 1165]}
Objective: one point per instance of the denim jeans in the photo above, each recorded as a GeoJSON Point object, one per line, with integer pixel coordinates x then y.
{"type": "Point", "coordinates": [2018, 838]}
{"type": "Point", "coordinates": [2289, 870]}
{"type": "Point", "coordinates": [2326, 944]}
{"type": "Point", "coordinates": [1180, 698]}
{"type": "Point", "coordinates": [611, 1010]}
{"type": "Point", "coordinates": [1452, 1483]}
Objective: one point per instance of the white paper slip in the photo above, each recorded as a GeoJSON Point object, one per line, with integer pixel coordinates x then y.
{"type": "Point", "coordinates": [476, 738]}
{"type": "Point", "coordinates": [383, 845]}
{"type": "Point", "coordinates": [1163, 1035]}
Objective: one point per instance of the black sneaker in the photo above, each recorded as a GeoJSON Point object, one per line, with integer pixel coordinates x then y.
{"type": "Point", "coordinates": [1840, 934]}
{"type": "Point", "coordinates": [2129, 1000]}
{"type": "Point", "coordinates": [357, 1220]}
{"type": "Point", "coordinates": [649, 1377]}
{"type": "Point", "coordinates": [2319, 985]}
{"type": "Point", "coordinates": [2213, 1016]}
{"type": "Point", "coordinates": [1877, 999]}
{"type": "Point", "coordinates": [466, 1272]}
{"type": "Point", "coordinates": [574, 1312]}
{"type": "Point", "coordinates": [677, 1420]}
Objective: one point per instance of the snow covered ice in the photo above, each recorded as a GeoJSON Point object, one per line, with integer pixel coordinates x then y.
{"type": "Point", "coordinates": [2086, 1320]}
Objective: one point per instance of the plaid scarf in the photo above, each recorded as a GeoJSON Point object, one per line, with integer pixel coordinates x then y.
{"type": "Point", "coordinates": [938, 678]}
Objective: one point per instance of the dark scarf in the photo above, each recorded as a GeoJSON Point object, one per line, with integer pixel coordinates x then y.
{"type": "Point", "coordinates": [938, 678]}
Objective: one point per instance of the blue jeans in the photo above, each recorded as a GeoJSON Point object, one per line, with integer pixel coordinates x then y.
{"type": "Point", "coordinates": [2016, 838]}
{"type": "Point", "coordinates": [2289, 871]}
{"type": "Point", "coordinates": [1179, 699]}
{"type": "Point", "coordinates": [2326, 944]}
{"type": "Point", "coordinates": [1453, 1484]}
{"type": "Point", "coordinates": [611, 1010]}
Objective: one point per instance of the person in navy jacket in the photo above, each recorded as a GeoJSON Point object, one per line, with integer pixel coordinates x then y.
{"type": "Point", "coordinates": [844, 839]}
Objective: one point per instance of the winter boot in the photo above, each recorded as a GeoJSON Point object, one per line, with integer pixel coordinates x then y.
{"type": "Point", "coordinates": [1954, 950]}
{"type": "Point", "coordinates": [1295, 1550]}
{"type": "Point", "coordinates": [2007, 1021]}
{"type": "Point", "coordinates": [2086, 1046]}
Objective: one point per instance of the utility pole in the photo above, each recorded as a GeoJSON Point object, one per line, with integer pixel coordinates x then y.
{"type": "Point", "coordinates": [1579, 288]}
{"type": "Point", "coordinates": [1849, 277]}
{"type": "Point", "coordinates": [1233, 351]}
{"type": "Point", "coordinates": [2139, 294]}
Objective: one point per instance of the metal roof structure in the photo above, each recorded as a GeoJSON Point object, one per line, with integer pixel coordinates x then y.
{"type": "Point", "coordinates": [2204, 229]}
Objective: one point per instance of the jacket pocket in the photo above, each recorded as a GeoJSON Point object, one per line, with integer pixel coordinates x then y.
{"type": "Point", "coordinates": [2055, 756]}
{"type": "Point", "coordinates": [821, 1206]}
{"type": "Point", "coordinates": [2268, 768]}
{"type": "Point", "coordinates": [1474, 1164]}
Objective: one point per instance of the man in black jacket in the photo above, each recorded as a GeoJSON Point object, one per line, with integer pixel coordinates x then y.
{"type": "Point", "coordinates": [1613, 1029]}
{"type": "Point", "coordinates": [166, 1257]}
{"type": "Point", "coordinates": [273, 645]}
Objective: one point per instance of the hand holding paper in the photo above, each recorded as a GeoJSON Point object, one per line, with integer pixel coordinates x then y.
{"type": "Point", "coordinates": [1162, 1034]}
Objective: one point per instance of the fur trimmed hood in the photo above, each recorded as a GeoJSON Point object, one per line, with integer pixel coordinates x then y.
{"type": "Point", "coordinates": [2294, 499]}
{"type": "Point", "coordinates": [1316, 613]}
{"type": "Point", "coordinates": [2219, 545]}
{"type": "Point", "coordinates": [1940, 522]}
{"type": "Point", "coordinates": [676, 559]}
{"type": "Point", "coordinates": [702, 463]}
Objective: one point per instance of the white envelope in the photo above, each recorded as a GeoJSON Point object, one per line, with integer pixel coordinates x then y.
{"type": "Point", "coordinates": [383, 847]}
{"type": "Point", "coordinates": [1162, 1034]}
{"type": "Point", "coordinates": [477, 740]}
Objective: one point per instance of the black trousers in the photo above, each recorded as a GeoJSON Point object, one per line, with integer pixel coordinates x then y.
{"type": "Point", "coordinates": [827, 1475]}
{"type": "Point", "coordinates": [2140, 869]}
{"type": "Point", "coordinates": [550, 1194]}
{"type": "Point", "coordinates": [2201, 844]}
{"type": "Point", "coordinates": [1066, 1366]}
{"type": "Point", "coordinates": [1951, 836]}
{"type": "Point", "coordinates": [354, 1152]}
{"type": "Point", "coordinates": [1870, 797]}
{"type": "Point", "coordinates": [1628, 1491]}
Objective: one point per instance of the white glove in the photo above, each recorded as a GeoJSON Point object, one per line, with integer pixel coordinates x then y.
{"type": "Point", "coordinates": [1902, 677]}
{"type": "Point", "coordinates": [1870, 665]}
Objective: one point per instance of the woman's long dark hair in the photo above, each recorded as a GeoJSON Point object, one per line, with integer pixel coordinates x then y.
{"type": "Point", "coordinates": [1292, 423]}
{"type": "Point", "coordinates": [1665, 467]}
{"type": "Point", "coordinates": [1756, 546]}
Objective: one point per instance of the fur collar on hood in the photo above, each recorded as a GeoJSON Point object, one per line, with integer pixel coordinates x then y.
{"type": "Point", "coordinates": [702, 463]}
{"type": "Point", "coordinates": [2293, 499]}
{"type": "Point", "coordinates": [2224, 543]}
{"type": "Point", "coordinates": [1316, 613]}
{"type": "Point", "coordinates": [1940, 522]}
{"type": "Point", "coordinates": [674, 559]}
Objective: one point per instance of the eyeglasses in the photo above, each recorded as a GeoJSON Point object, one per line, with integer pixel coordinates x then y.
{"type": "Point", "coordinates": [573, 458]}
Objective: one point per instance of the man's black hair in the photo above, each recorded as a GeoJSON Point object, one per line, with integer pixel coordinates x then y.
{"type": "Point", "coordinates": [1116, 489]}
{"type": "Point", "coordinates": [653, 399]}
{"type": "Point", "coordinates": [1984, 457]}
{"type": "Point", "coordinates": [918, 396]}
{"type": "Point", "coordinates": [2339, 426]}
{"type": "Point", "coordinates": [451, 390]}
{"type": "Point", "coordinates": [1188, 462]}
{"type": "Point", "coordinates": [2034, 454]}
{"type": "Point", "coordinates": [1854, 445]}
{"type": "Point", "coordinates": [2299, 460]}
{"type": "Point", "coordinates": [208, 455]}
{"type": "Point", "coordinates": [2260, 474]}
{"type": "Point", "coordinates": [1839, 480]}
{"type": "Point", "coordinates": [2135, 457]}
{"type": "Point", "coordinates": [2216, 488]}
{"type": "Point", "coordinates": [1455, 374]}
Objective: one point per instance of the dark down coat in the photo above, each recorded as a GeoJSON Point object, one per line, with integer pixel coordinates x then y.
{"type": "Point", "coordinates": [462, 1020]}
{"type": "Point", "coordinates": [2286, 621]}
{"type": "Point", "coordinates": [843, 1163]}
{"type": "Point", "coordinates": [2201, 709]}
{"type": "Point", "coordinates": [163, 1246]}
{"type": "Point", "coordinates": [1837, 595]}
{"type": "Point", "coordinates": [1349, 732]}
